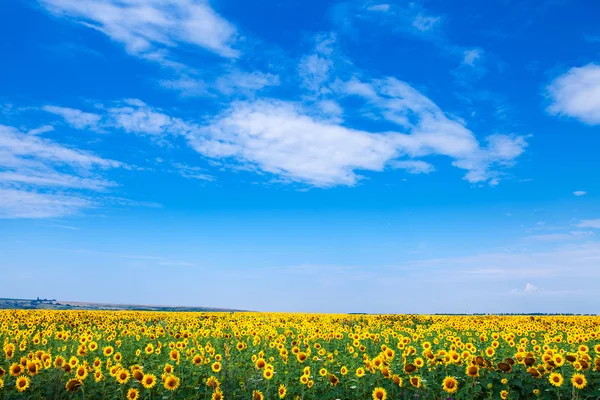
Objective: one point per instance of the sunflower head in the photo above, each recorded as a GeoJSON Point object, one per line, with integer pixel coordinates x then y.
{"type": "Point", "coordinates": [578, 381]}
{"type": "Point", "coordinates": [73, 385]}
{"type": "Point", "coordinates": [379, 393]}
{"type": "Point", "coordinates": [450, 384]}
{"type": "Point", "coordinates": [22, 383]}
{"type": "Point", "coordinates": [257, 395]}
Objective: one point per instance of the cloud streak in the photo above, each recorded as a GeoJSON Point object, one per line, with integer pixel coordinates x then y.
{"type": "Point", "coordinates": [152, 28]}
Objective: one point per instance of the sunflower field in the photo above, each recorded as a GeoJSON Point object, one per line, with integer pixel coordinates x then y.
{"type": "Point", "coordinates": [160, 355]}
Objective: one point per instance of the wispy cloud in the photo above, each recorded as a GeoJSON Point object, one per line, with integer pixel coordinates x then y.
{"type": "Point", "coordinates": [59, 226]}
{"type": "Point", "coordinates": [589, 223]}
{"type": "Point", "coordinates": [579, 193]}
{"type": "Point", "coordinates": [471, 56]}
{"type": "Point", "coordinates": [151, 28]}
{"type": "Point", "coordinates": [576, 93]}
{"type": "Point", "coordinates": [41, 130]}
{"type": "Point", "coordinates": [18, 203]}
{"type": "Point", "coordinates": [192, 172]}
{"type": "Point", "coordinates": [561, 237]}
{"type": "Point", "coordinates": [76, 118]}
{"type": "Point", "coordinates": [40, 178]}
{"type": "Point", "coordinates": [379, 7]}
{"type": "Point", "coordinates": [425, 23]}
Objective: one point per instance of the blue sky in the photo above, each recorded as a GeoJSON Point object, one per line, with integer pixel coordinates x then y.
{"type": "Point", "coordinates": [352, 156]}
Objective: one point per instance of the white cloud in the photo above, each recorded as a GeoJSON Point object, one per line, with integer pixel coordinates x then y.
{"type": "Point", "coordinates": [186, 86]}
{"type": "Point", "coordinates": [315, 69]}
{"type": "Point", "coordinates": [579, 193]}
{"type": "Point", "coordinates": [191, 172]}
{"type": "Point", "coordinates": [15, 203]}
{"type": "Point", "coordinates": [589, 223]}
{"type": "Point", "coordinates": [309, 144]}
{"type": "Point", "coordinates": [425, 23]}
{"type": "Point", "coordinates": [471, 56]}
{"type": "Point", "coordinates": [30, 163]}
{"type": "Point", "coordinates": [331, 108]}
{"type": "Point", "coordinates": [414, 166]}
{"type": "Point", "coordinates": [245, 82]}
{"type": "Point", "coordinates": [280, 139]}
{"type": "Point", "coordinates": [433, 132]}
{"type": "Point", "coordinates": [54, 179]}
{"type": "Point", "coordinates": [379, 7]}
{"type": "Point", "coordinates": [18, 148]}
{"type": "Point", "coordinates": [561, 237]}
{"type": "Point", "coordinates": [576, 94]}
{"type": "Point", "coordinates": [528, 289]}
{"type": "Point", "coordinates": [148, 28]}
{"type": "Point", "coordinates": [76, 118]}
{"type": "Point", "coordinates": [41, 130]}
{"type": "Point", "coordinates": [136, 117]}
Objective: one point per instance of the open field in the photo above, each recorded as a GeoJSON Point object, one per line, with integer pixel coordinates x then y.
{"type": "Point", "coordinates": [154, 355]}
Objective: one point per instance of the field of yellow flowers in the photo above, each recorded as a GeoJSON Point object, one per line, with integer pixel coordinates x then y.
{"type": "Point", "coordinates": [152, 355]}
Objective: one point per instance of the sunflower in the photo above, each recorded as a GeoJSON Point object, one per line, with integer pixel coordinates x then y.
{"type": "Point", "coordinates": [197, 360]}
{"type": "Point", "coordinates": [1, 383]}
{"type": "Point", "coordinates": [138, 375]}
{"type": "Point", "coordinates": [22, 383]}
{"type": "Point", "coordinates": [213, 383]}
{"type": "Point", "coordinates": [98, 376]}
{"type": "Point", "coordinates": [343, 370]}
{"type": "Point", "coordinates": [450, 384]}
{"type": "Point", "coordinates": [281, 391]}
{"type": "Point", "coordinates": [322, 372]}
{"type": "Point", "coordinates": [122, 376]}
{"type": "Point", "coordinates": [217, 395]}
{"type": "Point", "coordinates": [148, 381]}
{"type": "Point", "coordinates": [472, 371]}
{"type": "Point", "coordinates": [578, 381]}
{"type": "Point", "coordinates": [107, 351]}
{"type": "Point", "coordinates": [168, 369]}
{"type": "Point", "coordinates": [257, 395]}
{"type": "Point", "coordinates": [360, 372]}
{"type": "Point", "coordinates": [174, 355]}
{"type": "Point", "coordinates": [409, 368]}
{"type": "Point", "coordinates": [415, 381]}
{"type": "Point", "coordinates": [59, 361]}
{"type": "Point", "coordinates": [268, 374]}
{"type": "Point", "coordinates": [73, 384]}
{"type": "Point", "coordinates": [504, 394]}
{"type": "Point", "coordinates": [15, 369]}
{"type": "Point", "coordinates": [379, 393]}
{"type": "Point", "coordinates": [149, 349]}
{"type": "Point", "coordinates": [504, 367]}
{"type": "Point", "coordinates": [133, 394]}
{"type": "Point", "coordinates": [171, 382]}
{"type": "Point", "coordinates": [556, 379]}
{"type": "Point", "coordinates": [260, 363]}
{"type": "Point", "coordinates": [333, 380]}
{"type": "Point", "coordinates": [216, 367]}
{"type": "Point", "coordinates": [81, 373]}
{"type": "Point", "coordinates": [32, 368]}
{"type": "Point", "coordinates": [304, 379]}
